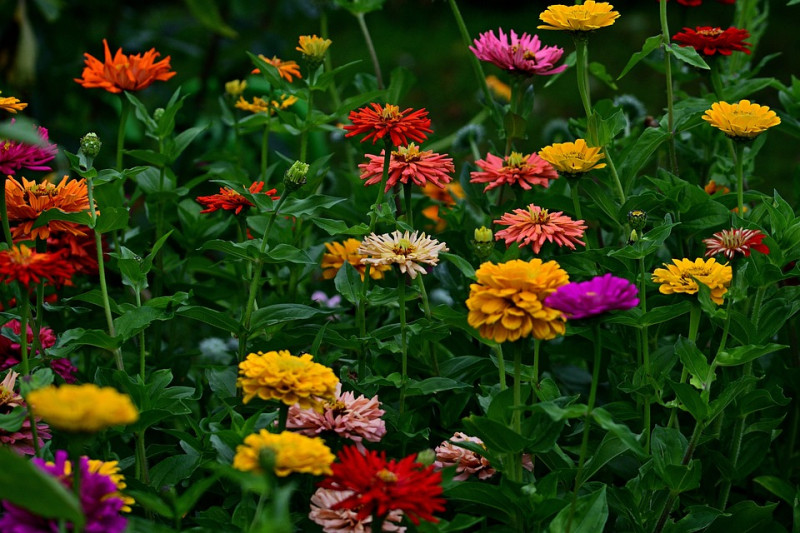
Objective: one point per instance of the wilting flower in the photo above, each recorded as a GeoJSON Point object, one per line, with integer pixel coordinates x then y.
{"type": "Point", "coordinates": [742, 120]}
{"type": "Point", "coordinates": [712, 188]}
{"type": "Point", "coordinates": [124, 72]}
{"type": "Point", "coordinates": [734, 240]}
{"type": "Point", "coordinates": [405, 250]}
{"type": "Point", "coordinates": [16, 155]}
{"type": "Point", "coordinates": [594, 297]}
{"type": "Point", "coordinates": [286, 69]}
{"type": "Point", "coordinates": [588, 16]}
{"type": "Point", "coordinates": [100, 501]}
{"type": "Point", "coordinates": [516, 168]}
{"type": "Point", "coordinates": [446, 197]}
{"type": "Point", "coordinates": [10, 350]}
{"type": "Point", "coordinates": [287, 378]}
{"type": "Point", "coordinates": [27, 200]}
{"type": "Point", "coordinates": [518, 54]}
{"type": "Point", "coordinates": [572, 158]}
{"type": "Point", "coordinates": [379, 486]}
{"type": "Point", "coordinates": [313, 48]}
{"type": "Point", "coordinates": [346, 251]}
{"type": "Point", "coordinates": [21, 440]}
{"type": "Point", "coordinates": [535, 226]}
{"type": "Point", "coordinates": [83, 408]}
{"type": "Point", "coordinates": [409, 163]}
{"type": "Point", "coordinates": [382, 120]}
{"type": "Point", "coordinates": [324, 512]}
{"type": "Point", "coordinates": [499, 90]}
{"type": "Point", "coordinates": [23, 265]}
{"type": "Point", "coordinates": [292, 453]}
{"type": "Point", "coordinates": [507, 302]}
{"type": "Point", "coordinates": [683, 275]}
{"type": "Point", "coordinates": [709, 40]}
{"type": "Point", "coordinates": [12, 104]}
{"type": "Point", "coordinates": [357, 419]}
{"type": "Point", "coordinates": [230, 200]}
{"type": "Point", "coordinates": [259, 105]}
{"type": "Point", "coordinates": [467, 462]}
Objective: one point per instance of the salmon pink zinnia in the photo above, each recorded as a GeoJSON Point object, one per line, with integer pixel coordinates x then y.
{"type": "Point", "coordinates": [517, 168]}
{"type": "Point", "coordinates": [409, 163]}
{"type": "Point", "coordinates": [535, 226]}
{"type": "Point", "coordinates": [518, 54]}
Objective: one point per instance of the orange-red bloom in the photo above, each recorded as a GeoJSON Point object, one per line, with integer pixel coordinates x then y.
{"type": "Point", "coordinates": [409, 163]}
{"type": "Point", "coordinates": [230, 200]}
{"type": "Point", "coordinates": [380, 121]}
{"type": "Point", "coordinates": [286, 69]}
{"type": "Point", "coordinates": [517, 168]}
{"type": "Point", "coordinates": [124, 72]}
{"type": "Point", "coordinates": [23, 265]}
{"type": "Point", "coordinates": [446, 197]}
{"type": "Point", "coordinates": [79, 250]}
{"type": "Point", "coordinates": [29, 199]}
{"type": "Point", "coordinates": [535, 226]}
{"type": "Point", "coordinates": [709, 40]}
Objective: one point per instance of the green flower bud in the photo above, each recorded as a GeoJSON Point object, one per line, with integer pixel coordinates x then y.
{"type": "Point", "coordinates": [426, 457]}
{"type": "Point", "coordinates": [637, 219]}
{"type": "Point", "coordinates": [158, 113]}
{"type": "Point", "coordinates": [295, 177]}
{"type": "Point", "coordinates": [483, 234]}
{"type": "Point", "coordinates": [90, 144]}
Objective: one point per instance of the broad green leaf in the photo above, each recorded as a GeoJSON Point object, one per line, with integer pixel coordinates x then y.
{"type": "Point", "coordinates": [496, 436]}
{"type": "Point", "coordinates": [743, 354]}
{"type": "Point", "coordinates": [433, 385]}
{"type": "Point", "coordinates": [623, 432]}
{"type": "Point", "coordinates": [339, 227]}
{"type": "Point", "coordinates": [689, 55]}
{"type": "Point", "coordinates": [478, 493]}
{"type": "Point", "coordinates": [462, 264]}
{"type": "Point", "coordinates": [111, 219]}
{"type": "Point", "coordinates": [212, 317]}
{"type": "Point", "coordinates": [647, 244]}
{"type": "Point", "coordinates": [589, 516]}
{"type": "Point", "coordinates": [691, 400]}
{"type": "Point", "coordinates": [299, 207]}
{"type": "Point", "coordinates": [746, 517]}
{"type": "Point", "coordinates": [649, 45]}
{"type": "Point", "coordinates": [13, 420]}
{"type": "Point", "coordinates": [694, 360]}
{"type": "Point", "coordinates": [637, 156]}
{"type": "Point", "coordinates": [135, 320]}
{"type": "Point", "coordinates": [286, 253]}
{"type": "Point", "coordinates": [282, 313]}
{"type": "Point", "coordinates": [83, 218]}
{"type": "Point", "coordinates": [698, 518]}
{"type": "Point", "coordinates": [72, 339]}
{"type": "Point", "coordinates": [348, 283]}
{"type": "Point", "coordinates": [780, 488]}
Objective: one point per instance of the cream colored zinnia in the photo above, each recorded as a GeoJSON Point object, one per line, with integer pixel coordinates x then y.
{"type": "Point", "coordinates": [409, 251]}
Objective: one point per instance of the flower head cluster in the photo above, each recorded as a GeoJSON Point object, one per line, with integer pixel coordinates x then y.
{"type": "Point", "coordinates": [325, 511]}
{"type": "Point", "coordinates": [518, 54]}
{"type": "Point", "coordinates": [742, 120]}
{"type": "Point", "coordinates": [20, 440]}
{"type": "Point", "coordinates": [467, 462]}
{"type": "Point", "coordinates": [286, 69]}
{"type": "Point", "coordinates": [25, 266]}
{"type": "Point", "coordinates": [292, 453]}
{"type": "Point", "coordinates": [287, 378]}
{"type": "Point", "coordinates": [572, 158]}
{"type": "Point", "coordinates": [709, 40]}
{"type": "Point", "coordinates": [379, 121]}
{"type": "Point", "coordinates": [346, 251]}
{"type": "Point", "coordinates": [27, 199]}
{"type": "Point", "coordinates": [83, 408]}
{"type": "Point", "coordinates": [378, 486]}
{"type": "Point", "coordinates": [588, 16]}
{"type": "Point", "coordinates": [12, 104]}
{"type": "Point", "coordinates": [16, 155]}
{"type": "Point", "coordinates": [124, 72]}
{"type": "Point", "coordinates": [594, 297]}
{"type": "Point", "coordinates": [409, 163]}
{"type": "Point", "coordinates": [734, 240]}
{"type": "Point", "coordinates": [683, 276]}
{"type": "Point", "coordinates": [259, 105]}
{"type": "Point", "coordinates": [407, 251]}
{"type": "Point", "coordinates": [516, 168]}
{"type": "Point", "coordinates": [10, 350]}
{"type": "Point", "coordinates": [535, 226]}
{"type": "Point", "coordinates": [508, 301]}
{"type": "Point", "coordinates": [230, 200]}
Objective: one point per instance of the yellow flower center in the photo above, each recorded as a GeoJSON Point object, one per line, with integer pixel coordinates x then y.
{"type": "Point", "coordinates": [390, 112]}
{"type": "Point", "coordinates": [403, 247]}
{"type": "Point", "coordinates": [408, 153]}
{"type": "Point", "coordinates": [386, 476]}
{"type": "Point", "coordinates": [540, 217]}
{"type": "Point", "coordinates": [5, 395]}
{"type": "Point", "coordinates": [711, 32]}
{"type": "Point", "coordinates": [20, 255]}
{"type": "Point", "coordinates": [515, 160]}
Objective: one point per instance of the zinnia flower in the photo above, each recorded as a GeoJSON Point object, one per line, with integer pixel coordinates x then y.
{"type": "Point", "coordinates": [535, 226]}
{"type": "Point", "coordinates": [287, 378]}
{"type": "Point", "coordinates": [12, 104]}
{"type": "Point", "coordinates": [741, 121]}
{"type": "Point", "coordinates": [734, 240]}
{"type": "Point", "coordinates": [467, 462]}
{"type": "Point", "coordinates": [499, 90]}
{"type": "Point", "coordinates": [79, 250]}
{"type": "Point", "coordinates": [230, 200]}
{"type": "Point", "coordinates": [507, 302]}
{"type": "Point", "coordinates": [588, 16]}
{"type": "Point", "coordinates": [293, 453]}
{"type": "Point", "coordinates": [709, 40]}
{"type": "Point", "coordinates": [523, 55]}
{"type": "Point", "coordinates": [325, 513]}
{"type": "Point", "coordinates": [517, 168]}
{"type": "Point", "coordinates": [111, 469]}
{"type": "Point", "coordinates": [594, 297]}
{"type": "Point", "coordinates": [572, 158]}
{"type": "Point", "coordinates": [405, 250]}
{"type": "Point", "coordinates": [446, 197]}
{"type": "Point", "coordinates": [379, 121]}
{"type": "Point", "coordinates": [379, 486]}
{"type": "Point", "coordinates": [409, 163]}
{"type": "Point", "coordinates": [235, 88]}
{"type": "Point", "coordinates": [99, 500]}
{"type": "Point", "coordinates": [16, 155]}
{"type": "Point", "coordinates": [23, 265]}
{"type": "Point", "coordinates": [124, 72]}
{"type": "Point", "coordinates": [10, 350]}
{"type": "Point", "coordinates": [64, 368]}
{"type": "Point", "coordinates": [286, 69]}
{"type": "Point", "coordinates": [348, 417]}
{"type": "Point", "coordinates": [346, 251]}
{"type": "Point", "coordinates": [683, 275]}
{"type": "Point", "coordinates": [313, 48]}
{"type": "Point", "coordinates": [259, 105]}
{"type": "Point", "coordinates": [27, 200]}
{"type": "Point", "coordinates": [712, 188]}
{"type": "Point", "coordinates": [20, 440]}
{"type": "Point", "coordinates": [83, 408]}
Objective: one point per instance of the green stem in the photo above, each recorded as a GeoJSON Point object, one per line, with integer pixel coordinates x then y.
{"type": "Point", "coordinates": [673, 495]}
{"type": "Point", "coordinates": [323, 33]}
{"type": "Point", "coordinates": [694, 326]}
{"type": "Point", "coordinates": [516, 417]}
{"type": "Point", "coordinates": [665, 40]}
{"type": "Point", "coordinates": [283, 416]}
{"type": "Point", "coordinates": [142, 347]}
{"type": "Point", "coordinates": [142, 470]}
{"type": "Point", "coordinates": [23, 330]}
{"type": "Point", "coordinates": [614, 174]}
{"type": "Point", "coordinates": [4, 214]}
{"type": "Point", "coordinates": [371, 48]}
{"type": "Point", "coordinates": [265, 149]}
{"type": "Point", "coordinates": [75, 459]}
{"type": "Point", "coordinates": [407, 200]}
{"type": "Point", "coordinates": [306, 127]}
{"type": "Point", "coordinates": [401, 291]}
{"type": "Point", "coordinates": [645, 347]}
{"type": "Point", "coordinates": [426, 307]}
{"type": "Point", "coordinates": [716, 79]}
{"type": "Point", "coordinates": [537, 346]}
{"type": "Point", "coordinates": [582, 66]}
{"type": "Point", "coordinates": [125, 111]}
{"type": "Point", "coordinates": [737, 153]}
{"type": "Point", "coordinates": [501, 366]}
{"type": "Point", "coordinates": [576, 201]}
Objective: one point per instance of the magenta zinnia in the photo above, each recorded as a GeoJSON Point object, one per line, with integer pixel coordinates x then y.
{"type": "Point", "coordinates": [519, 54]}
{"type": "Point", "coordinates": [598, 295]}
{"type": "Point", "coordinates": [379, 121]}
{"type": "Point", "coordinates": [734, 240]}
{"type": "Point", "coordinates": [408, 163]}
{"type": "Point", "coordinates": [515, 169]}
{"type": "Point", "coordinates": [16, 155]}
{"type": "Point", "coordinates": [535, 226]}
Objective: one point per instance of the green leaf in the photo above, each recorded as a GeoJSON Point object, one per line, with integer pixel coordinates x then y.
{"type": "Point", "coordinates": [689, 55]}
{"type": "Point", "coordinates": [746, 517]}
{"type": "Point", "coordinates": [286, 253]}
{"type": "Point", "coordinates": [640, 153]}
{"type": "Point", "coordinates": [780, 488]}
{"type": "Point", "coordinates": [623, 432]}
{"type": "Point", "coordinates": [477, 493]}
{"type": "Point", "coordinates": [211, 317]}
{"type": "Point", "coordinates": [743, 354]}
{"type": "Point", "coordinates": [207, 13]}
{"type": "Point", "coordinates": [514, 125]}
{"type": "Point", "coordinates": [348, 283]}
{"type": "Point", "coordinates": [691, 400]}
{"type": "Point", "coordinates": [339, 227]}
{"type": "Point", "coordinates": [111, 219]}
{"type": "Point", "coordinates": [598, 70]}
{"type": "Point", "coordinates": [610, 448]}
{"type": "Point", "coordinates": [282, 313]}
{"type": "Point", "coordinates": [72, 339]}
{"type": "Point", "coordinates": [83, 218]}
{"type": "Point", "coordinates": [698, 518]}
{"type": "Point", "coordinates": [13, 420]}
{"type": "Point", "coordinates": [135, 320]}
{"type": "Point", "coordinates": [649, 45]}
{"type": "Point", "coordinates": [648, 244]}
{"type": "Point", "coordinates": [694, 361]}
{"type": "Point", "coordinates": [308, 206]}
{"type": "Point", "coordinates": [460, 263]}
{"type": "Point", "coordinates": [433, 385]}
{"type": "Point", "coordinates": [189, 498]}
{"type": "Point", "coordinates": [495, 436]}
{"type": "Point", "coordinates": [589, 516]}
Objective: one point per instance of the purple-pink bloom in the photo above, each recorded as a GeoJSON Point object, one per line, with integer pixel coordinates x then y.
{"type": "Point", "coordinates": [15, 155]}
{"type": "Point", "coordinates": [596, 296]}
{"type": "Point", "coordinates": [10, 350]}
{"type": "Point", "coordinates": [524, 55]}
{"type": "Point", "coordinates": [64, 368]}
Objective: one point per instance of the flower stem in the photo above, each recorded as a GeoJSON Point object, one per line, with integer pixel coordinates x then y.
{"type": "Point", "coordinates": [613, 169]}
{"type": "Point", "coordinates": [737, 153]}
{"type": "Point", "coordinates": [265, 149]}
{"type": "Point", "coordinates": [576, 201]}
{"type": "Point", "coordinates": [501, 366]}
{"type": "Point", "coordinates": [283, 416]}
{"type": "Point", "coordinates": [516, 417]}
{"type": "Point", "coordinates": [673, 495]}
{"type": "Point", "coordinates": [125, 111]}
{"type": "Point", "coordinates": [645, 351]}
{"type": "Point", "coordinates": [665, 40]}
{"type": "Point", "coordinates": [306, 127]}
{"type": "Point", "coordinates": [401, 296]}
{"type": "Point", "coordinates": [75, 459]}
{"type": "Point", "coordinates": [537, 346]}
{"type": "Point", "coordinates": [4, 214]}
{"type": "Point", "coordinates": [371, 48]}
{"type": "Point", "coordinates": [142, 470]}
{"type": "Point", "coordinates": [407, 199]}
{"type": "Point", "coordinates": [694, 325]}
{"type": "Point", "coordinates": [426, 307]}
{"type": "Point", "coordinates": [582, 66]}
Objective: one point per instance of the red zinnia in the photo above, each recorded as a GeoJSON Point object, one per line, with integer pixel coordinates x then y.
{"type": "Point", "coordinates": [230, 200]}
{"type": "Point", "coordinates": [517, 168]}
{"type": "Point", "coordinates": [408, 162]}
{"type": "Point", "coordinates": [124, 72]}
{"type": "Point", "coordinates": [381, 486]}
{"type": "Point", "coordinates": [384, 120]}
{"type": "Point", "coordinates": [535, 226]}
{"type": "Point", "coordinates": [709, 40]}
{"type": "Point", "coordinates": [26, 266]}
{"type": "Point", "coordinates": [734, 240]}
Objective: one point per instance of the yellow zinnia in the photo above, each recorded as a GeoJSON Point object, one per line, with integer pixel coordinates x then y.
{"type": "Point", "coordinates": [743, 120]}
{"type": "Point", "coordinates": [83, 408]}
{"type": "Point", "coordinates": [313, 48]}
{"type": "Point", "coordinates": [340, 253]}
{"type": "Point", "coordinates": [235, 88]}
{"type": "Point", "coordinates": [507, 303]}
{"type": "Point", "coordinates": [589, 16]}
{"type": "Point", "coordinates": [684, 274]}
{"type": "Point", "coordinates": [287, 378]}
{"type": "Point", "coordinates": [12, 104]}
{"type": "Point", "coordinates": [292, 452]}
{"type": "Point", "coordinates": [572, 158]}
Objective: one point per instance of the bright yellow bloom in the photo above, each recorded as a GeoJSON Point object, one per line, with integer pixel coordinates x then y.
{"type": "Point", "coordinates": [507, 303]}
{"type": "Point", "coordinates": [684, 274]}
{"type": "Point", "coordinates": [287, 378]}
{"type": "Point", "coordinates": [340, 253]}
{"type": "Point", "coordinates": [259, 105]}
{"type": "Point", "coordinates": [743, 120]}
{"type": "Point", "coordinates": [589, 16]}
{"type": "Point", "coordinates": [110, 469]}
{"type": "Point", "coordinates": [12, 104]}
{"type": "Point", "coordinates": [293, 452]}
{"type": "Point", "coordinates": [83, 408]}
{"type": "Point", "coordinates": [235, 88]}
{"type": "Point", "coordinates": [572, 158]}
{"type": "Point", "coordinates": [313, 48]}
{"type": "Point", "coordinates": [499, 90]}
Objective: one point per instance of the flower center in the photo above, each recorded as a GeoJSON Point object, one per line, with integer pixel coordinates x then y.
{"type": "Point", "coordinates": [408, 153]}
{"type": "Point", "coordinates": [539, 217]}
{"type": "Point", "coordinates": [403, 247]}
{"type": "Point", "coordinates": [386, 476]}
{"type": "Point", "coordinates": [336, 407]}
{"type": "Point", "coordinates": [732, 240]}
{"type": "Point", "coordinates": [20, 255]}
{"type": "Point", "coordinates": [390, 112]}
{"type": "Point", "coordinates": [711, 32]}
{"type": "Point", "coordinates": [515, 160]}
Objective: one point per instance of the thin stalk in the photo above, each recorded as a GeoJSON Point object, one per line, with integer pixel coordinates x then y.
{"type": "Point", "coordinates": [576, 201]}
{"type": "Point", "coordinates": [265, 149]}
{"type": "Point", "coordinates": [614, 174]}
{"type": "Point", "coordinates": [716, 79]}
{"type": "Point", "coordinates": [516, 417]}
{"type": "Point", "coordinates": [26, 368]}
{"type": "Point", "coordinates": [323, 33]}
{"type": "Point", "coordinates": [426, 307]}
{"type": "Point", "coordinates": [665, 40]}
{"type": "Point", "coordinates": [401, 291]}
{"type": "Point", "coordinates": [75, 459]}
{"type": "Point", "coordinates": [125, 111]}
{"type": "Point", "coordinates": [407, 200]}
{"type": "Point", "coordinates": [142, 470]}
{"type": "Point", "coordinates": [4, 214]}
{"type": "Point", "coordinates": [694, 326]}
{"type": "Point", "coordinates": [283, 416]}
{"type": "Point", "coordinates": [142, 347]}
{"type": "Point", "coordinates": [371, 48]}
{"type": "Point", "coordinates": [645, 351]}
{"type": "Point", "coordinates": [307, 127]}
{"type": "Point", "coordinates": [582, 67]}
{"type": "Point", "coordinates": [501, 366]}
{"type": "Point", "coordinates": [673, 495]}
{"type": "Point", "coordinates": [737, 152]}
{"type": "Point", "coordinates": [537, 346]}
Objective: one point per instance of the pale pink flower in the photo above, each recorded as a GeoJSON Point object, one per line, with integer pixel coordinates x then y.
{"type": "Point", "coordinates": [535, 226]}
{"type": "Point", "coordinates": [15, 155]}
{"type": "Point", "coordinates": [21, 440]}
{"type": "Point", "coordinates": [467, 462]}
{"type": "Point", "coordinates": [346, 520]}
{"type": "Point", "coordinates": [517, 168]}
{"type": "Point", "coordinates": [524, 54]}
{"type": "Point", "coordinates": [409, 163]}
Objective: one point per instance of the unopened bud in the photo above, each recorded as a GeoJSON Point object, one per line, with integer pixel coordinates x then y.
{"type": "Point", "coordinates": [295, 177]}
{"type": "Point", "coordinates": [426, 457]}
{"type": "Point", "coordinates": [483, 243]}
{"type": "Point", "coordinates": [483, 234]}
{"type": "Point", "coordinates": [266, 459]}
{"type": "Point", "coordinates": [637, 219]}
{"type": "Point", "coordinates": [90, 144]}
{"type": "Point", "coordinates": [158, 113]}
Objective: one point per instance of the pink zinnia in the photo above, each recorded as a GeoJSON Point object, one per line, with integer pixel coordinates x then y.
{"type": "Point", "coordinates": [21, 440]}
{"type": "Point", "coordinates": [15, 155]}
{"type": "Point", "coordinates": [524, 54]}
{"type": "Point", "coordinates": [335, 520]}
{"type": "Point", "coordinates": [409, 163]}
{"type": "Point", "coordinates": [734, 240]}
{"type": "Point", "coordinates": [535, 226]}
{"type": "Point", "coordinates": [466, 461]}
{"type": "Point", "coordinates": [517, 168]}
{"type": "Point", "coordinates": [10, 350]}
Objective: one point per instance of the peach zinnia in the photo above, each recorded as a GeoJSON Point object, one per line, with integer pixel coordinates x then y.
{"type": "Point", "coordinates": [535, 226]}
{"type": "Point", "coordinates": [409, 163]}
{"type": "Point", "coordinates": [124, 72]}
{"type": "Point", "coordinates": [378, 121]}
{"type": "Point", "coordinates": [26, 200]}
{"type": "Point", "coordinates": [517, 168]}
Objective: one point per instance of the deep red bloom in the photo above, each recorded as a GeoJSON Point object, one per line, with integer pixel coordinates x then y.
{"type": "Point", "coordinates": [381, 486]}
{"type": "Point", "coordinates": [384, 120]}
{"type": "Point", "coordinates": [709, 40]}
{"type": "Point", "coordinates": [27, 266]}
{"type": "Point", "coordinates": [230, 200]}
{"type": "Point", "coordinates": [81, 250]}
{"type": "Point", "coordinates": [734, 240]}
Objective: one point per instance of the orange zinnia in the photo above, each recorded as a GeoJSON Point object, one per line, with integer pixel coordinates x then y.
{"type": "Point", "coordinates": [124, 72]}
{"type": "Point", "coordinates": [24, 265]}
{"type": "Point", "coordinates": [286, 69]}
{"type": "Point", "coordinates": [29, 199]}
{"type": "Point", "coordinates": [230, 200]}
